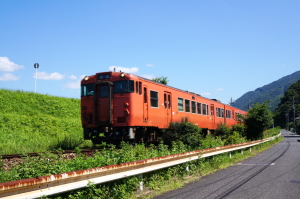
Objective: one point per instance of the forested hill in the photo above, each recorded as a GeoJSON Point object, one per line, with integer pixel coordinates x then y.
{"type": "Point", "coordinates": [288, 106]}
{"type": "Point", "coordinates": [272, 92]}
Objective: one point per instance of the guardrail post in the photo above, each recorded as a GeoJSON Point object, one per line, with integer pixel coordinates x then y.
{"type": "Point", "coordinates": [250, 149]}
{"type": "Point", "coordinates": [230, 155]}
{"type": "Point", "coordinates": [187, 167]}
{"type": "Point", "coordinates": [141, 182]}
{"type": "Point", "coordinates": [242, 152]}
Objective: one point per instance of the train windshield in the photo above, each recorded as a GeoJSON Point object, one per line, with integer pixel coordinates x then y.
{"type": "Point", "coordinates": [87, 89]}
{"type": "Point", "coordinates": [126, 86]}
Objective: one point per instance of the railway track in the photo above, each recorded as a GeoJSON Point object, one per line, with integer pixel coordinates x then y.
{"type": "Point", "coordinates": [20, 155]}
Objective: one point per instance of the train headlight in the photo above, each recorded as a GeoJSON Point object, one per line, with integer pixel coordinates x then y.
{"type": "Point", "coordinates": [86, 78]}
{"type": "Point", "coordinates": [122, 75]}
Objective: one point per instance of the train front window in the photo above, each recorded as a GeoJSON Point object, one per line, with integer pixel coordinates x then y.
{"type": "Point", "coordinates": [87, 89]}
{"type": "Point", "coordinates": [103, 76]}
{"type": "Point", "coordinates": [126, 86]}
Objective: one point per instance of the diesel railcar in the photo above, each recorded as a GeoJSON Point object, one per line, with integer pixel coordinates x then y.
{"type": "Point", "coordinates": [118, 106]}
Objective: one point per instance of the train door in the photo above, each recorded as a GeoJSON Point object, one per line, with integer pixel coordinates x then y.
{"type": "Point", "coordinates": [103, 104]}
{"type": "Point", "coordinates": [167, 108]}
{"type": "Point", "coordinates": [145, 104]}
{"type": "Point", "coordinates": [212, 113]}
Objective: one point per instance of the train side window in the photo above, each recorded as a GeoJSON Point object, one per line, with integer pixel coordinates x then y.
{"type": "Point", "coordinates": [167, 101]}
{"type": "Point", "coordinates": [228, 114]}
{"type": "Point", "coordinates": [180, 104]}
{"type": "Point", "coordinates": [154, 99]}
{"type": "Point", "coordinates": [187, 106]}
{"type": "Point", "coordinates": [204, 109]}
{"type": "Point", "coordinates": [193, 107]}
{"type": "Point", "coordinates": [199, 108]}
{"type": "Point", "coordinates": [222, 113]}
{"type": "Point", "coordinates": [140, 86]}
{"type": "Point", "coordinates": [207, 110]}
{"type": "Point", "coordinates": [145, 95]}
{"type": "Point", "coordinates": [137, 87]}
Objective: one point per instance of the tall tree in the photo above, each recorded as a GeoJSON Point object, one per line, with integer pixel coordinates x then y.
{"type": "Point", "coordinates": [289, 106]}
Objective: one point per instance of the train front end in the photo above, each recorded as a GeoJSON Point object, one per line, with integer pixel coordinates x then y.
{"type": "Point", "coordinates": [105, 107]}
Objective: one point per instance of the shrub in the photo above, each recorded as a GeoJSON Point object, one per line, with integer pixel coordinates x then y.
{"type": "Point", "coordinates": [239, 128]}
{"type": "Point", "coordinates": [234, 138]}
{"type": "Point", "coordinates": [210, 142]}
{"type": "Point", "coordinates": [223, 130]}
{"type": "Point", "coordinates": [186, 132]}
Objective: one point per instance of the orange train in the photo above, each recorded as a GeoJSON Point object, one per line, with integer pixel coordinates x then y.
{"type": "Point", "coordinates": [118, 106]}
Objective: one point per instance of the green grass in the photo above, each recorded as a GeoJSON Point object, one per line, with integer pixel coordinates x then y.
{"type": "Point", "coordinates": [31, 122]}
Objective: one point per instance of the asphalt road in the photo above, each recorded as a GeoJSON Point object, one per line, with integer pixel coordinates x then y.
{"type": "Point", "coordinates": [274, 173]}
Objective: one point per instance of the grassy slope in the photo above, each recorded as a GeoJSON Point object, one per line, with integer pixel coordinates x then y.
{"type": "Point", "coordinates": [31, 122]}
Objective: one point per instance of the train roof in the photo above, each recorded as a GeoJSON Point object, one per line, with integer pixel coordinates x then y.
{"type": "Point", "coordinates": [186, 91]}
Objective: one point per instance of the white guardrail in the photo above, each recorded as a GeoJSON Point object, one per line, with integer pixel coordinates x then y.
{"type": "Point", "coordinates": [54, 184]}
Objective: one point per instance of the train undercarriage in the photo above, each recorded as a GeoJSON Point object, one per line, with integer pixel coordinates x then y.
{"type": "Point", "coordinates": [133, 135]}
{"type": "Point", "coordinates": [115, 135]}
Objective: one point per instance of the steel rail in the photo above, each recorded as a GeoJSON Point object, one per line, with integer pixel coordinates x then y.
{"type": "Point", "coordinates": [54, 184]}
{"type": "Point", "coordinates": [20, 155]}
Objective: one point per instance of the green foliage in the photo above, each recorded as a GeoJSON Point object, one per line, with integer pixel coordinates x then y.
{"type": "Point", "coordinates": [284, 113]}
{"type": "Point", "coordinates": [271, 132]}
{"type": "Point", "coordinates": [162, 80]}
{"type": "Point", "coordinates": [233, 135]}
{"type": "Point", "coordinates": [234, 138]}
{"type": "Point", "coordinates": [239, 128]}
{"type": "Point", "coordinates": [258, 119]}
{"type": "Point", "coordinates": [211, 142]}
{"type": "Point", "coordinates": [271, 92]}
{"type": "Point", "coordinates": [31, 122]}
{"type": "Point", "coordinates": [223, 130]}
{"type": "Point", "coordinates": [186, 132]}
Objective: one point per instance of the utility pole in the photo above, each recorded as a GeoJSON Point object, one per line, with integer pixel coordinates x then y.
{"type": "Point", "coordinates": [287, 119]}
{"type": "Point", "coordinates": [249, 104]}
{"type": "Point", "coordinates": [231, 102]}
{"type": "Point", "coordinates": [294, 113]}
{"type": "Point", "coordinates": [36, 65]}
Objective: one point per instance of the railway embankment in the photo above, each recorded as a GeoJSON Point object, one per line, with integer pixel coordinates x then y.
{"type": "Point", "coordinates": [31, 122]}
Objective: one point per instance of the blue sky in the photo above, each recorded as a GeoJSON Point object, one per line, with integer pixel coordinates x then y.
{"type": "Point", "coordinates": [219, 49]}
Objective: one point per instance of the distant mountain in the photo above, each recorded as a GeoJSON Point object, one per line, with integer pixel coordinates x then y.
{"type": "Point", "coordinates": [272, 92]}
